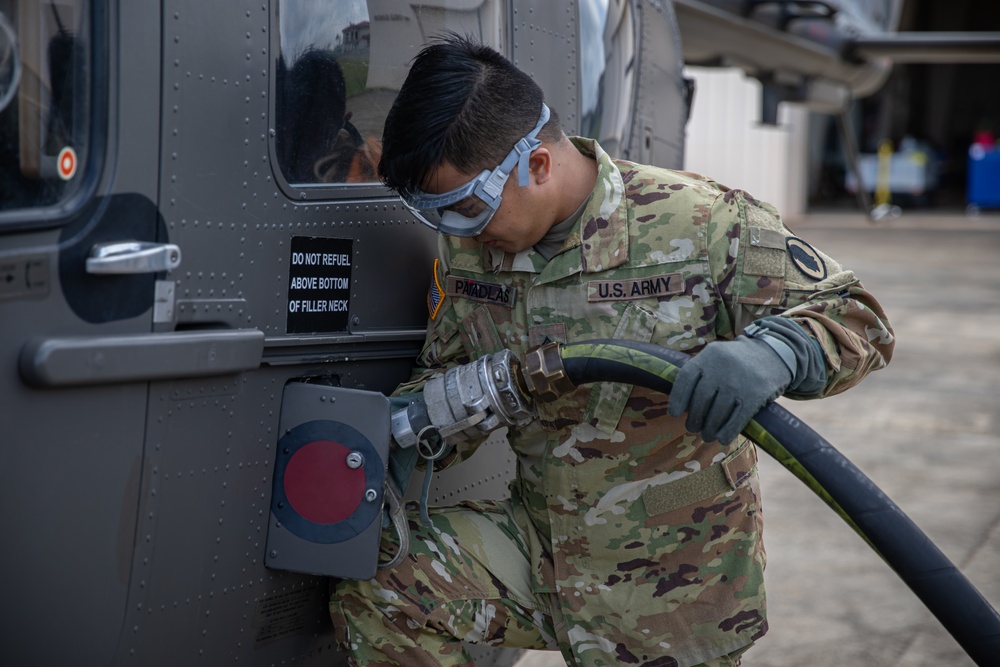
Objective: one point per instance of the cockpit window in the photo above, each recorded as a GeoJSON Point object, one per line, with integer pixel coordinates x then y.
{"type": "Point", "coordinates": [338, 72]}
{"type": "Point", "coordinates": [45, 88]}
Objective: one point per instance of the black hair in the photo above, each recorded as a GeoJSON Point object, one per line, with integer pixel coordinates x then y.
{"type": "Point", "coordinates": [464, 103]}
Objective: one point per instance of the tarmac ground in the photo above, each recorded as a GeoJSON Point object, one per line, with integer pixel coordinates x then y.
{"type": "Point", "coordinates": [926, 430]}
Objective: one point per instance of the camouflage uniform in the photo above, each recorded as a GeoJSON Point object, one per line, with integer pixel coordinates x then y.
{"type": "Point", "coordinates": [643, 541]}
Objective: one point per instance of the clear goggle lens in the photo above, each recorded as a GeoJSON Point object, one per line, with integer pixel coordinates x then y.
{"type": "Point", "coordinates": [459, 212]}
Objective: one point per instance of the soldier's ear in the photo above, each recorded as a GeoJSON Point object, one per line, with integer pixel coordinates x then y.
{"type": "Point", "coordinates": [540, 165]}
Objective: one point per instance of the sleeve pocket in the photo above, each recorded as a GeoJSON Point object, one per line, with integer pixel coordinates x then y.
{"type": "Point", "coordinates": [722, 477]}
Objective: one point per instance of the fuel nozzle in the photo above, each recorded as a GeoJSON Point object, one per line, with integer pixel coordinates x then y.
{"type": "Point", "coordinates": [466, 402]}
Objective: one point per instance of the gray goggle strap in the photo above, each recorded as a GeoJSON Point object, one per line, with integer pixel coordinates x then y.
{"type": "Point", "coordinates": [520, 154]}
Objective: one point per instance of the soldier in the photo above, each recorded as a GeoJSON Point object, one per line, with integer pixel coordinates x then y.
{"type": "Point", "coordinates": [633, 531]}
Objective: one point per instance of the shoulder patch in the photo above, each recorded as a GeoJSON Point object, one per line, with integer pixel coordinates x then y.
{"type": "Point", "coordinates": [805, 258]}
{"type": "Point", "coordinates": [435, 295]}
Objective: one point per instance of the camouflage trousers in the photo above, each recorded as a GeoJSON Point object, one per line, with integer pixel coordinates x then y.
{"type": "Point", "coordinates": [467, 579]}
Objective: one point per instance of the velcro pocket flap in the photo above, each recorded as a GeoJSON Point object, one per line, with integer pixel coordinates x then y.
{"type": "Point", "coordinates": [718, 478]}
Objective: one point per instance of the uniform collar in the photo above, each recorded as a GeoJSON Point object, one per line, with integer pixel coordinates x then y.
{"type": "Point", "coordinates": [603, 229]}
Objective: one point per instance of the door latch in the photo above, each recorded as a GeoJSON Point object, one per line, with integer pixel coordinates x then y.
{"type": "Point", "coordinates": [125, 257]}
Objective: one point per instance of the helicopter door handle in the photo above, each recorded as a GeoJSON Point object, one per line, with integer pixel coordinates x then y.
{"type": "Point", "coordinates": [125, 257]}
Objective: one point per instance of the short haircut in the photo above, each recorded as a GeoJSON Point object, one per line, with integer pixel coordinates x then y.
{"type": "Point", "coordinates": [463, 103]}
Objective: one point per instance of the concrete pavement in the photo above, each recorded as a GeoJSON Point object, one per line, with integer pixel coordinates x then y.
{"type": "Point", "coordinates": [926, 430]}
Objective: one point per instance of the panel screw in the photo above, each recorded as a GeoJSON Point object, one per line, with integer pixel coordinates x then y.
{"type": "Point", "coordinates": [355, 460]}
{"type": "Point", "coordinates": [371, 495]}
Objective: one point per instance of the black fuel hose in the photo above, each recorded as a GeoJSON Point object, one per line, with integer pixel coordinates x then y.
{"type": "Point", "coordinates": [952, 598]}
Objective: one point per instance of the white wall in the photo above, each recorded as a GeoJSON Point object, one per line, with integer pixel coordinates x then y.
{"type": "Point", "coordinates": [727, 142]}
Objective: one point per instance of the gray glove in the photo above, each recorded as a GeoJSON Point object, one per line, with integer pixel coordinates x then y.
{"type": "Point", "coordinates": [724, 386]}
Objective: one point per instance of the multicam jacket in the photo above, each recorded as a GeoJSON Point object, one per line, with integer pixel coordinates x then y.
{"type": "Point", "coordinates": [649, 536]}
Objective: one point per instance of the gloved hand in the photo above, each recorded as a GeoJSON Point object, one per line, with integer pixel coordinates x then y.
{"type": "Point", "coordinates": [724, 386]}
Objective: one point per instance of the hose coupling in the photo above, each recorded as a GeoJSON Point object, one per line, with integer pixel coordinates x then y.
{"type": "Point", "coordinates": [544, 374]}
{"type": "Point", "coordinates": [472, 400]}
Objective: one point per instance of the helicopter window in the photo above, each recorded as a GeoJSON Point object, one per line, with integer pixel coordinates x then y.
{"type": "Point", "coordinates": [44, 100]}
{"type": "Point", "coordinates": [338, 72]}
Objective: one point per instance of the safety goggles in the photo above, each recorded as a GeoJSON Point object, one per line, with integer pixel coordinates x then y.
{"type": "Point", "coordinates": [467, 209]}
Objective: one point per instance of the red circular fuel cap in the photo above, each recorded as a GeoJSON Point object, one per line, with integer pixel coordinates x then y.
{"type": "Point", "coordinates": [319, 484]}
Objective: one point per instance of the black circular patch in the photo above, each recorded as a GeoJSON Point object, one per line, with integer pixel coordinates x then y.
{"type": "Point", "coordinates": [805, 257]}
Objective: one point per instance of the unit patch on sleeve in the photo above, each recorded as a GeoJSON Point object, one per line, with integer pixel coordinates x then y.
{"type": "Point", "coordinates": [435, 295]}
{"type": "Point", "coordinates": [635, 288]}
{"type": "Point", "coordinates": [805, 258]}
{"type": "Point", "coordinates": [479, 290]}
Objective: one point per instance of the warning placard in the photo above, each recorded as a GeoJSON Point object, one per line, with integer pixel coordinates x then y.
{"type": "Point", "coordinates": [319, 285]}
{"type": "Point", "coordinates": [286, 614]}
